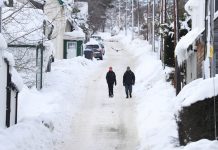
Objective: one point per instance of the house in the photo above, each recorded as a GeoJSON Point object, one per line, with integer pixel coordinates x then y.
{"type": "Point", "coordinates": [198, 99]}
{"type": "Point", "coordinates": [23, 40]}
{"type": "Point", "coordinates": [67, 36]}
{"type": "Point", "coordinates": [73, 44]}
{"type": "Point", "coordinates": [189, 50]}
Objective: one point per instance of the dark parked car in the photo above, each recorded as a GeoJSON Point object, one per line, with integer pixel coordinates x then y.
{"type": "Point", "coordinates": [97, 50]}
{"type": "Point", "coordinates": [88, 53]}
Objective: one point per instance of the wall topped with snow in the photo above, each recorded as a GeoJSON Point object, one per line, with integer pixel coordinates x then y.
{"type": "Point", "coordinates": [196, 8]}
{"type": "Point", "coordinates": [198, 90]}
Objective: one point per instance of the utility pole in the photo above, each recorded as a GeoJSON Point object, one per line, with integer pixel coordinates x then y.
{"type": "Point", "coordinates": [176, 36]}
{"type": "Point", "coordinates": [213, 63]}
{"type": "Point", "coordinates": [132, 19]}
{"type": "Point", "coordinates": [126, 19]}
{"type": "Point", "coordinates": [147, 20]}
{"type": "Point", "coordinates": [153, 26]}
{"type": "Point", "coordinates": [138, 16]}
{"type": "Point", "coordinates": [119, 16]}
{"type": "Point", "coordinates": [0, 19]}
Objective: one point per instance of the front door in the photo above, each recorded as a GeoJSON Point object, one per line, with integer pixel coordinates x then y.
{"type": "Point", "coordinates": [71, 49]}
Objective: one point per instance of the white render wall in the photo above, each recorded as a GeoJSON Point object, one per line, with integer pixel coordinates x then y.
{"type": "Point", "coordinates": [3, 83]}
{"type": "Point", "coordinates": [55, 13]}
{"type": "Point", "coordinates": [196, 8]}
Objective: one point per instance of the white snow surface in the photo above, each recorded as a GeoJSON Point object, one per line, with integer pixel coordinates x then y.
{"type": "Point", "coordinates": [1, 3]}
{"type": "Point", "coordinates": [75, 34]}
{"type": "Point", "coordinates": [198, 90]}
{"type": "Point", "coordinates": [45, 116]}
{"type": "Point", "coordinates": [3, 43]}
{"type": "Point", "coordinates": [28, 27]}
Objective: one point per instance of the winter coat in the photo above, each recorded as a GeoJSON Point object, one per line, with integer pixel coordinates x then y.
{"type": "Point", "coordinates": [111, 77]}
{"type": "Point", "coordinates": [128, 78]}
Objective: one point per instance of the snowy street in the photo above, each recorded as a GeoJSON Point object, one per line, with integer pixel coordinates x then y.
{"type": "Point", "coordinates": [103, 122]}
{"type": "Point", "coordinates": [74, 111]}
{"type": "Point", "coordinates": [108, 75]}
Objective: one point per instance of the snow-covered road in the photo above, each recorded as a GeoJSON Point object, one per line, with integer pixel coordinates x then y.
{"type": "Point", "coordinates": [103, 122]}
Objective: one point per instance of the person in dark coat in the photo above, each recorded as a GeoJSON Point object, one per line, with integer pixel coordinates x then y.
{"type": "Point", "coordinates": [128, 82]}
{"type": "Point", "coordinates": [111, 81]}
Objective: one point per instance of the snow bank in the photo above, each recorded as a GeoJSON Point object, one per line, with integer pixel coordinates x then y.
{"type": "Point", "coordinates": [157, 102]}
{"type": "Point", "coordinates": [198, 90]}
{"type": "Point", "coordinates": [202, 145]}
{"type": "Point", "coordinates": [45, 117]}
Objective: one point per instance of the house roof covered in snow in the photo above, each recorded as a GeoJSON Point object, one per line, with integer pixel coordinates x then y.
{"type": "Point", "coordinates": [74, 35]}
{"type": "Point", "coordinates": [185, 41]}
{"type": "Point", "coordinates": [21, 27]}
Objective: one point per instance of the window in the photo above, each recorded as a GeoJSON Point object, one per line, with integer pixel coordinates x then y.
{"type": "Point", "coordinates": [216, 5]}
{"type": "Point", "coordinates": [71, 45]}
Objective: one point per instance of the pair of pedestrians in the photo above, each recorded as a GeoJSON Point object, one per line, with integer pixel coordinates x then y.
{"type": "Point", "coordinates": [128, 81]}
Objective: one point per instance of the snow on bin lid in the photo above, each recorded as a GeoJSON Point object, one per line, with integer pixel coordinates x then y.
{"type": "Point", "coordinates": [185, 42]}
{"type": "Point", "coordinates": [15, 77]}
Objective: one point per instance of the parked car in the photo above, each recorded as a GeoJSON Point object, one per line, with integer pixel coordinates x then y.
{"type": "Point", "coordinates": [97, 49]}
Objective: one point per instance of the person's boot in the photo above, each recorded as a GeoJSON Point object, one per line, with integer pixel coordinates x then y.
{"type": "Point", "coordinates": [130, 95]}
{"type": "Point", "coordinates": [127, 96]}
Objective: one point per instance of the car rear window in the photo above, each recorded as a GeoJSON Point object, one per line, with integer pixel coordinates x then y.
{"type": "Point", "coordinates": [92, 46]}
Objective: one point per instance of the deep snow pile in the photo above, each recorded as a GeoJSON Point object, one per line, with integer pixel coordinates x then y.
{"type": "Point", "coordinates": [45, 116]}
{"type": "Point", "coordinates": [157, 102]}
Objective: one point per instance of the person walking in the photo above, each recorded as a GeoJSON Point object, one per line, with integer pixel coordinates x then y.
{"type": "Point", "coordinates": [111, 81]}
{"type": "Point", "coordinates": [128, 82]}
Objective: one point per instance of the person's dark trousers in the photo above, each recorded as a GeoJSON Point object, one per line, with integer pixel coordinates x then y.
{"type": "Point", "coordinates": [128, 89]}
{"type": "Point", "coordinates": [110, 89]}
